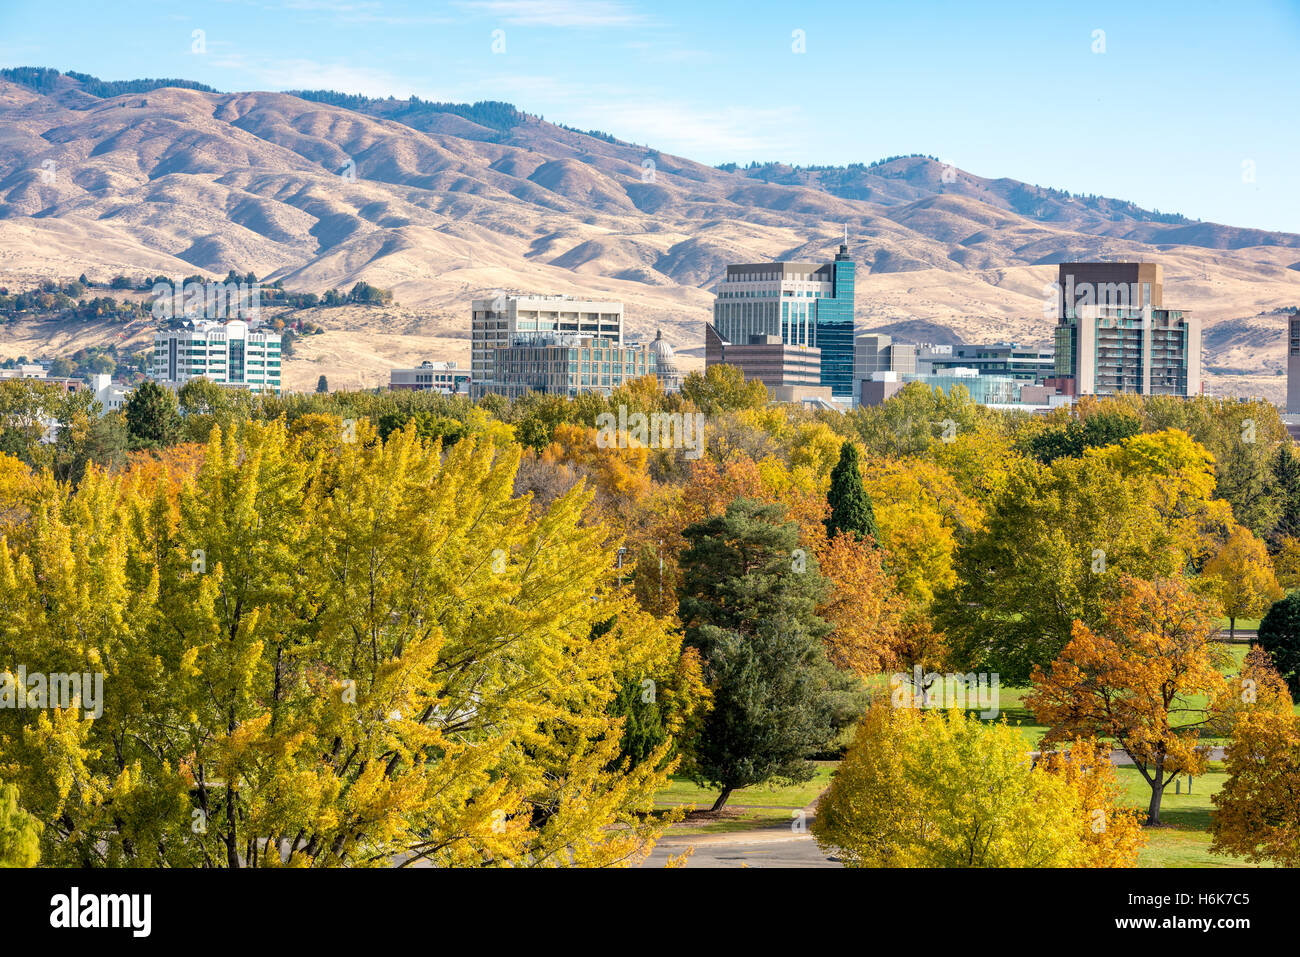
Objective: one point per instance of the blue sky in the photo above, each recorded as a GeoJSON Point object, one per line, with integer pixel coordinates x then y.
{"type": "Point", "coordinates": [1193, 107]}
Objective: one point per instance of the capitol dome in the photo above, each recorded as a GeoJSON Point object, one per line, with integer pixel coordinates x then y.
{"type": "Point", "coordinates": [670, 378]}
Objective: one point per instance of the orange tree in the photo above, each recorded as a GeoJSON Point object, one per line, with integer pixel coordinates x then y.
{"type": "Point", "coordinates": [1149, 676]}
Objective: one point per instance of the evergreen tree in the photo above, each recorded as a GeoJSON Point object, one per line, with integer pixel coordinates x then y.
{"type": "Point", "coordinates": [851, 511]}
{"type": "Point", "coordinates": [151, 416]}
{"type": "Point", "coordinates": [747, 600]}
{"type": "Point", "coordinates": [1279, 635]}
{"type": "Point", "coordinates": [1286, 473]}
{"type": "Point", "coordinates": [322, 384]}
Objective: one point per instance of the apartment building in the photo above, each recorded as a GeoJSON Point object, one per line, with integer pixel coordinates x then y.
{"type": "Point", "coordinates": [496, 322]}
{"type": "Point", "coordinates": [565, 364]}
{"type": "Point", "coordinates": [232, 353]}
{"type": "Point", "coordinates": [1114, 334]}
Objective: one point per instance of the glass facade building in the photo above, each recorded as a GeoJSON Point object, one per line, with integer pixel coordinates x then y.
{"type": "Point", "coordinates": [835, 336]}
{"type": "Point", "coordinates": [804, 304]}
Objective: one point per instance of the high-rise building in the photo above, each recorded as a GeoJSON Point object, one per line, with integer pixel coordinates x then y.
{"type": "Point", "coordinates": [565, 364]}
{"type": "Point", "coordinates": [1113, 334]}
{"type": "Point", "coordinates": [495, 322]}
{"type": "Point", "coordinates": [230, 353]}
{"type": "Point", "coordinates": [1002, 359]}
{"type": "Point", "coordinates": [1293, 365]}
{"type": "Point", "coordinates": [802, 304]}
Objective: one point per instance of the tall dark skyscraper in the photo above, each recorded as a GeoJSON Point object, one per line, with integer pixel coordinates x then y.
{"type": "Point", "coordinates": [805, 304]}
{"type": "Point", "coordinates": [835, 326]}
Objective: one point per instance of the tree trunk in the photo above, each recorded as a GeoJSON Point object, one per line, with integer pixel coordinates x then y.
{"type": "Point", "coordinates": [1232, 628]}
{"type": "Point", "coordinates": [1157, 792]}
{"type": "Point", "coordinates": [722, 799]}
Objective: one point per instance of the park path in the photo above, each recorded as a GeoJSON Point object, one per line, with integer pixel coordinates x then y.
{"type": "Point", "coordinates": [780, 844]}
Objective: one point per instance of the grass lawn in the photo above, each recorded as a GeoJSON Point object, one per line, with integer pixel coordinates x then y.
{"type": "Point", "coordinates": [683, 791]}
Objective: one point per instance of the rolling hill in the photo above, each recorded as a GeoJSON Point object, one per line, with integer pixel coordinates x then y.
{"type": "Point", "coordinates": [444, 202]}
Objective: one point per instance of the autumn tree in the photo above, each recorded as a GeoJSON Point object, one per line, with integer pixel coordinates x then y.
{"type": "Point", "coordinates": [929, 788]}
{"type": "Point", "coordinates": [1148, 676]}
{"type": "Point", "coordinates": [1056, 541]}
{"type": "Point", "coordinates": [862, 605]}
{"type": "Point", "coordinates": [748, 599]}
{"type": "Point", "coordinates": [1257, 811]}
{"type": "Point", "coordinates": [20, 833]}
{"type": "Point", "coordinates": [1241, 576]}
{"type": "Point", "coordinates": [721, 388]}
{"type": "Point", "coordinates": [324, 650]}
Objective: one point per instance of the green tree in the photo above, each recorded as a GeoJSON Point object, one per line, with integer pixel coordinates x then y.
{"type": "Point", "coordinates": [722, 388]}
{"type": "Point", "coordinates": [322, 384]}
{"type": "Point", "coordinates": [851, 511]}
{"type": "Point", "coordinates": [747, 601]}
{"type": "Point", "coordinates": [1279, 635]}
{"type": "Point", "coordinates": [152, 418]}
{"type": "Point", "coordinates": [20, 833]}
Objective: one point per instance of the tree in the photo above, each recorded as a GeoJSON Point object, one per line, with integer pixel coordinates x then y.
{"type": "Point", "coordinates": [151, 415]}
{"type": "Point", "coordinates": [329, 653]}
{"type": "Point", "coordinates": [1149, 676]}
{"type": "Point", "coordinates": [863, 606]}
{"type": "Point", "coordinates": [1055, 543]}
{"type": "Point", "coordinates": [923, 788]}
{"type": "Point", "coordinates": [747, 601]}
{"type": "Point", "coordinates": [1279, 636]}
{"type": "Point", "coordinates": [20, 833]}
{"type": "Point", "coordinates": [851, 511]}
{"type": "Point", "coordinates": [322, 384]}
{"type": "Point", "coordinates": [721, 388]}
{"type": "Point", "coordinates": [1257, 812]}
{"type": "Point", "coordinates": [1242, 577]}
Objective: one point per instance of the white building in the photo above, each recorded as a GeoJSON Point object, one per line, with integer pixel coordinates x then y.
{"type": "Point", "coordinates": [110, 397]}
{"type": "Point", "coordinates": [231, 353]}
{"type": "Point", "coordinates": [444, 377]}
{"type": "Point", "coordinates": [496, 322]}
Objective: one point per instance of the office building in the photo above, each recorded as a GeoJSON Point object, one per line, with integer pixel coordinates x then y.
{"type": "Point", "coordinates": [1001, 359]}
{"type": "Point", "coordinates": [564, 364]}
{"type": "Point", "coordinates": [495, 323]}
{"type": "Point", "coordinates": [444, 377]}
{"type": "Point", "coordinates": [792, 373]}
{"type": "Point", "coordinates": [983, 389]}
{"type": "Point", "coordinates": [876, 352]}
{"type": "Point", "coordinates": [1293, 365]}
{"type": "Point", "coordinates": [1114, 334]}
{"type": "Point", "coordinates": [231, 353]}
{"type": "Point", "coordinates": [801, 304]}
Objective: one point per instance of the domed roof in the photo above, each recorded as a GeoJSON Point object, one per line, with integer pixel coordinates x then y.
{"type": "Point", "coordinates": [665, 362]}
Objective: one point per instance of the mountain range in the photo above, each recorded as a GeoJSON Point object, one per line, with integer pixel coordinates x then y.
{"type": "Point", "coordinates": [444, 202]}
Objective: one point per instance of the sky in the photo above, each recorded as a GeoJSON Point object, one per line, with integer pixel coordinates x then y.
{"type": "Point", "coordinates": [1190, 107]}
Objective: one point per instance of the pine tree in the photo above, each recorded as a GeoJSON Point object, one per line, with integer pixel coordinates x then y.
{"type": "Point", "coordinates": [151, 415]}
{"type": "Point", "coordinates": [747, 601]}
{"type": "Point", "coordinates": [322, 384]}
{"type": "Point", "coordinates": [851, 511]}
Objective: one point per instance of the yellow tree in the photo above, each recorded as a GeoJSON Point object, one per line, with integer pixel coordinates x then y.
{"type": "Point", "coordinates": [862, 606]}
{"type": "Point", "coordinates": [329, 652]}
{"type": "Point", "coordinates": [941, 789]}
{"type": "Point", "coordinates": [1257, 811]}
{"type": "Point", "coordinates": [1149, 677]}
{"type": "Point", "coordinates": [1242, 578]}
{"type": "Point", "coordinates": [1110, 832]}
